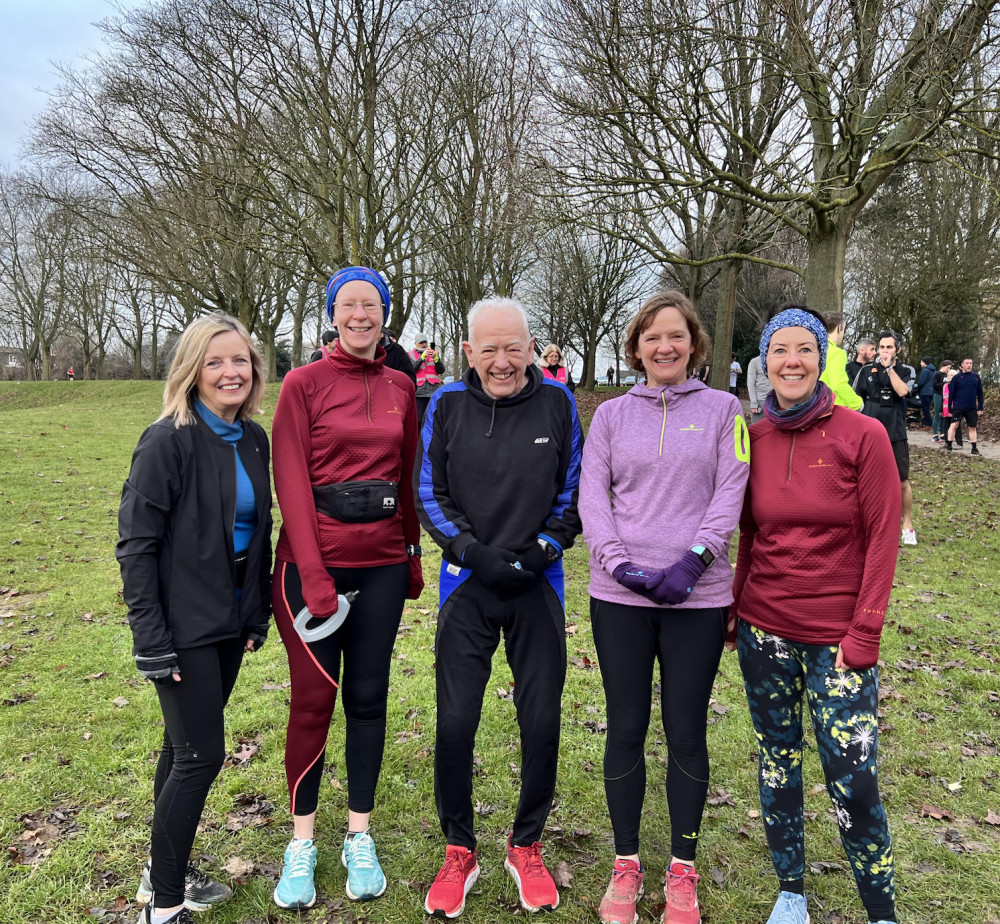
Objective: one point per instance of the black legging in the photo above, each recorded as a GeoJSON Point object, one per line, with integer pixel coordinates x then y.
{"type": "Point", "coordinates": [194, 747]}
{"type": "Point", "coordinates": [688, 645]}
{"type": "Point", "coordinates": [365, 643]}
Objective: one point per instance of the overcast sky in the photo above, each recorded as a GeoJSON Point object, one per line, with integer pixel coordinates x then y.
{"type": "Point", "coordinates": [34, 36]}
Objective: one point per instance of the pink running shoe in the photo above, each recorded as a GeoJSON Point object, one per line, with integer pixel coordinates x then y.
{"type": "Point", "coordinates": [681, 893]}
{"type": "Point", "coordinates": [624, 892]}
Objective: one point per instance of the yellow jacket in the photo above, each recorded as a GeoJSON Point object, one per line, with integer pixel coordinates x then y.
{"type": "Point", "coordinates": [835, 375]}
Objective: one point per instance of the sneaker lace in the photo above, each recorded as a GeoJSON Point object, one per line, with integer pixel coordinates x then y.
{"type": "Point", "coordinates": [453, 869]}
{"type": "Point", "coordinates": [196, 877]}
{"type": "Point", "coordinates": [298, 863]}
{"type": "Point", "coordinates": [625, 882]}
{"type": "Point", "coordinates": [683, 891]}
{"type": "Point", "coordinates": [361, 852]}
{"type": "Point", "coordinates": [531, 861]}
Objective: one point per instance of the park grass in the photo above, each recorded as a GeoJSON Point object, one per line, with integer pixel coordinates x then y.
{"type": "Point", "coordinates": [79, 729]}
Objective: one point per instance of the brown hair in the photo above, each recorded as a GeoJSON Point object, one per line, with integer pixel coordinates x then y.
{"type": "Point", "coordinates": [701, 343]}
{"type": "Point", "coordinates": [182, 380]}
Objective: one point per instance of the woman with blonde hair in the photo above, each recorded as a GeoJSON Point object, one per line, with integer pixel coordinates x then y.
{"type": "Point", "coordinates": [195, 554]}
{"type": "Point", "coordinates": [553, 366]}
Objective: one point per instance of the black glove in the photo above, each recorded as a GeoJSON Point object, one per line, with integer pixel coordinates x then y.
{"type": "Point", "coordinates": [258, 635]}
{"type": "Point", "coordinates": [496, 568]}
{"type": "Point", "coordinates": [157, 666]}
{"type": "Point", "coordinates": [536, 560]}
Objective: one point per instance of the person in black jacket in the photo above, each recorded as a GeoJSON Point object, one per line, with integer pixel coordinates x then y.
{"type": "Point", "coordinates": [195, 554]}
{"type": "Point", "coordinates": [497, 472]}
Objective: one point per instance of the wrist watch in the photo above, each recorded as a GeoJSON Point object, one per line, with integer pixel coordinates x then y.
{"type": "Point", "coordinates": [551, 552]}
{"type": "Point", "coordinates": [704, 554]}
{"type": "Point", "coordinates": [412, 550]}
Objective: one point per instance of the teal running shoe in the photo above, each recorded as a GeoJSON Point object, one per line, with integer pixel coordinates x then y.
{"type": "Point", "coordinates": [295, 889]}
{"type": "Point", "coordinates": [365, 878]}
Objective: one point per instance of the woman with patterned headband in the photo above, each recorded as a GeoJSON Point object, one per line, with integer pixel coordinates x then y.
{"type": "Point", "coordinates": [817, 555]}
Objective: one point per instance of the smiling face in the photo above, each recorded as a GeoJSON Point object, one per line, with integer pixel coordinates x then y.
{"type": "Point", "coordinates": [499, 351]}
{"type": "Point", "coordinates": [665, 348]}
{"type": "Point", "coordinates": [793, 365]}
{"type": "Point", "coordinates": [358, 313]}
{"type": "Point", "coordinates": [226, 375]}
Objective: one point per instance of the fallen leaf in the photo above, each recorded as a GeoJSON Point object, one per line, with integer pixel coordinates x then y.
{"type": "Point", "coordinates": [237, 867]}
{"type": "Point", "coordinates": [120, 702]}
{"type": "Point", "coordinates": [562, 874]}
{"type": "Point", "coordinates": [932, 811]}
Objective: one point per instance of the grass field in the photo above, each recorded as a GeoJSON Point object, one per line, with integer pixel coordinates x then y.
{"type": "Point", "coordinates": [79, 729]}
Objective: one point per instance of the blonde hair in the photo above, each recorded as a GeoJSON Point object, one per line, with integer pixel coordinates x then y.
{"type": "Point", "coordinates": [189, 354]}
{"type": "Point", "coordinates": [701, 343]}
{"type": "Point", "coordinates": [549, 347]}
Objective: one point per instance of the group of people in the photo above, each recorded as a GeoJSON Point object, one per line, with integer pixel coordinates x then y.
{"type": "Point", "coordinates": [501, 479]}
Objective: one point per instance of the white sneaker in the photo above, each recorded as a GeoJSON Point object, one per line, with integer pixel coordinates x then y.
{"type": "Point", "coordinates": [909, 537]}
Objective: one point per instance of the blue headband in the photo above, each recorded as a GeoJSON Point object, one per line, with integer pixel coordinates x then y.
{"type": "Point", "coordinates": [795, 317]}
{"type": "Point", "coordinates": [364, 274]}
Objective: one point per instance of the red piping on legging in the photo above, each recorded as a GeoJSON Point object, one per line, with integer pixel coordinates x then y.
{"type": "Point", "coordinates": [319, 667]}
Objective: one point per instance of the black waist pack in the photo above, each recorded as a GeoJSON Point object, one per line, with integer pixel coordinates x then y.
{"type": "Point", "coordinates": [357, 501]}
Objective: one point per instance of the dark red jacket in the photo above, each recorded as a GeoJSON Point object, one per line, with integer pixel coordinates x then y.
{"type": "Point", "coordinates": [342, 419]}
{"type": "Point", "coordinates": [819, 533]}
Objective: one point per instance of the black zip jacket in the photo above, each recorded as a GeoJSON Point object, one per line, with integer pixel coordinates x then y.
{"type": "Point", "coordinates": [499, 472]}
{"type": "Point", "coordinates": [175, 548]}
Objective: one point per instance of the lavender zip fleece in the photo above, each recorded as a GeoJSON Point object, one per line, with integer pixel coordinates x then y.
{"type": "Point", "coordinates": [664, 469]}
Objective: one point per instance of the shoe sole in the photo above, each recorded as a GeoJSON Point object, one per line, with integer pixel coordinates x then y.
{"type": "Point", "coordinates": [368, 895]}
{"type": "Point", "coordinates": [470, 881]}
{"type": "Point", "coordinates": [293, 906]}
{"type": "Point", "coordinates": [530, 908]}
{"type": "Point", "coordinates": [142, 898]}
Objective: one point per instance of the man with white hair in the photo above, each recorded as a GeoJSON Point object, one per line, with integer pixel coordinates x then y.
{"type": "Point", "coordinates": [496, 476]}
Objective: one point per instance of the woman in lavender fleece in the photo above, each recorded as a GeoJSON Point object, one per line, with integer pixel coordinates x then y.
{"type": "Point", "coordinates": [664, 471]}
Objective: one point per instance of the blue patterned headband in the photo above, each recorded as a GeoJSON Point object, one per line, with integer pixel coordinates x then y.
{"type": "Point", "coordinates": [794, 317]}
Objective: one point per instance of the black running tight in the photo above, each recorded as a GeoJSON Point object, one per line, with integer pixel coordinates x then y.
{"type": "Point", "coordinates": [194, 747]}
{"type": "Point", "coordinates": [687, 643]}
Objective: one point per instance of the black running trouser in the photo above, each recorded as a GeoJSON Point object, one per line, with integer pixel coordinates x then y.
{"type": "Point", "coordinates": [194, 747]}
{"type": "Point", "coordinates": [688, 645]}
{"type": "Point", "coordinates": [470, 623]}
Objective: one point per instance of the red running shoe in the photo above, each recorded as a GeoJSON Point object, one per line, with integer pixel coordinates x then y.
{"type": "Point", "coordinates": [534, 883]}
{"type": "Point", "coordinates": [624, 892]}
{"type": "Point", "coordinates": [681, 893]}
{"type": "Point", "coordinates": [446, 898]}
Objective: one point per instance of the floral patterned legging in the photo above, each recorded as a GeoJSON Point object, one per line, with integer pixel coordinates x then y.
{"type": "Point", "coordinates": [843, 704]}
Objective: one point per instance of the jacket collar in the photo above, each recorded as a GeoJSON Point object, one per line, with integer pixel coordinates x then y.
{"type": "Point", "coordinates": [533, 381]}
{"type": "Point", "coordinates": [349, 364]}
{"type": "Point", "coordinates": [669, 392]}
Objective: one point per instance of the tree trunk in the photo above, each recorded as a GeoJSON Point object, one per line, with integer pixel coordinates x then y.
{"type": "Point", "coordinates": [725, 318]}
{"type": "Point", "coordinates": [825, 271]}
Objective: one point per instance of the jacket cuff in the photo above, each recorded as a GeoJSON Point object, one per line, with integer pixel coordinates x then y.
{"type": "Point", "coordinates": [460, 543]}
{"type": "Point", "coordinates": [860, 651]}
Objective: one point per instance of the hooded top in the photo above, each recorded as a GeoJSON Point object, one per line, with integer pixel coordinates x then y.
{"type": "Point", "coordinates": [664, 469]}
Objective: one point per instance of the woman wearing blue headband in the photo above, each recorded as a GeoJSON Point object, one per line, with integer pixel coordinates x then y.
{"type": "Point", "coordinates": [816, 560]}
{"type": "Point", "coordinates": [344, 437]}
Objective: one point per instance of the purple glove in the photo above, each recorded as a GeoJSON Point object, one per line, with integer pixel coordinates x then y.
{"type": "Point", "coordinates": [674, 584]}
{"type": "Point", "coordinates": [638, 580]}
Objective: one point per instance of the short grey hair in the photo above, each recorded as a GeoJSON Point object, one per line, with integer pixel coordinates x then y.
{"type": "Point", "coordinates": [866, 341]}
{"type": "Point", "coordinates": [508, 304]}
